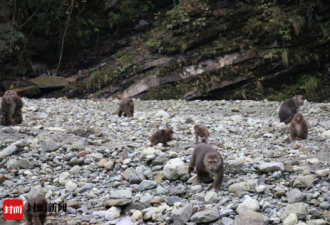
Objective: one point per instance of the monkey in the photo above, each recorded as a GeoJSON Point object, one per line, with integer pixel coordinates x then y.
{"type": "Point", "coordinates": [11, 109]}
{"type": "Point", "coordinates": [298, 127]}
{"type": "Point", "coordinates": [161, 136]}
{"type": "Point", "coordinates": [207, 161]}
{"type": "Point", "coordinates": [201, 131]}
{"type": "Point", "coordinates": [126, 106]}
{"type": "Point", "coordinates": [290, 107]}
{"type": "Point", "coordinates": [36, 215]}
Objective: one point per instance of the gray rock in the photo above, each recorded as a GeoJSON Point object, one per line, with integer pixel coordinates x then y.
{"type": "Point", "coordinates": [49, 145]}
{"type": "Point", "coordinates": [205, 216]}
{"type": "Point", "coordinates": [317, 222]}
{"type": "Point", "coordinates": [300, 209]}
{"type": "Point", "coordinates": [159, 160]}
{"type": "Point", "coordinates": [292, 219]}
{"type": "Point", "coordinates": [174, 168]}
{"type": "Point", "coordinates": [325, 205]}
{"type": "Point", "coordinates": [248, 204]}
{"type": "Point", "coordinates": [64, 177]}
{"type": "Point", "coordinates": [145, 199]}
{"type": "Point", "coordinates": [238, 188]}
{"type": "Point", "coordinates": [295, 196]}
{"type": "Point", "coordinates": [181, 215]}
{"type": "Point", "coordinates": [147, 185]}
{"type": "Point", "coordinates": [116, 202]}
{"type": "Point", "coordinates": [134, 179]}
{"type": "Point", "coordinates": [119, 194]}
{"type": "Point", "coordinates": [75, 170]}
{"type": "Point", "coordinates": [211, 197]}
{"type": "Point", "coordinates": [25, 164]}
{"type": "Point", "coordinates": [171, 200]}
{"type": "Point", "coordinates": [304, 181]}
{"type": "Point", "coordinates": [271, 167]}
{"type": "Point", "coordinates": [8, 151]}
{"type": "Point", "coordinates": [249, 218]}
{"type": "Point", "coordinates": [160, 190]}
{"type": "Point", "coordinates": [71, 186]}
{"type": "Point", "coordinates": [85, 188]}
{"type": "Point", "coordinates": [125, 221]}
{"type": "Point", "coordinates": [227, 221]}
{"type": "Point", "coordinates": [36, 191]}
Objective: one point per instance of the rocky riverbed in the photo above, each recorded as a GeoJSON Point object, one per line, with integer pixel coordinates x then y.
{"type": "Point", "coordinates": [80, 153]}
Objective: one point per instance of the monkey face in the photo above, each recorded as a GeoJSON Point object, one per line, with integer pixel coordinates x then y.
{"type": "Point", "coordinates": [213, 163]}
{"type": "Point", "coordinates": [9, 96]}
{"type": "Point", "coordinates": [298, 117]}
{"type": "Point", "coordinates": [299, 99]}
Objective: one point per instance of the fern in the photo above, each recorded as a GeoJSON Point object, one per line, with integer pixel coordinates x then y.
{"type": "Point", "coordinates": [309, 82]}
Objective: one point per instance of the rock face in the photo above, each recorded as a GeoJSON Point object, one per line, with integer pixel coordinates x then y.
{"type": "Point", "coordinates": [49, 82]}
{"type": "Point", "coordinates": [99, 164]}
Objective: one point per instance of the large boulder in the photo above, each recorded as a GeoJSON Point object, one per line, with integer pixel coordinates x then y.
{"type": "Point", "coordinates": [50, 82]}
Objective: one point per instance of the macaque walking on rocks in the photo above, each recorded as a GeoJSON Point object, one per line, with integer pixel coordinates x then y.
{"type": "Point", "coordinates": [126, 106]}
{"type": "Point", "coordinates": [298, 127]}
{"type": "Point", "coordinates": [290, 107]}
{"type": "Point", "coordinates": [201, 131]}
{"type": "Point", "coordinates": [11, 109]}
{"type": "Point", "coordinates": [36, 215]}
{"type": "Point", "coordinates": [161, 136]}
{"type": "Point", "coordinates": [207, 161]}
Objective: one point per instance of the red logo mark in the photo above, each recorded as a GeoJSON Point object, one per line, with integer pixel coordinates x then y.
{"type": "Point", "coordinates": [13, 209]}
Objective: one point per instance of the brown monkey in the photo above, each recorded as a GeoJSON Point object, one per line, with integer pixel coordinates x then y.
{"type": "Point", "coordinates": [201, 131]}
{"type": "Point", "coordinates": [207, 161]}
{"type": "Point", "coordinates": [11, 109]}
{"type": "Point", "coordinates": [290, 107]}
{"type": "Point", "coordinates": [161, 136]}
{"type": "Point", "coordinates": [298, 127]}
{"type": "Point", "coordinates": [126, 106]}
{"type": "Point", "coordinates": [35, 215]}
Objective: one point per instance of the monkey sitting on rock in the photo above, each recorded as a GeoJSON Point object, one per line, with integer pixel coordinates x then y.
{"type": "Point", "coordinates": [207, 161]}
{"type": "Point", "coordinates": [290, 107]}
{"type": "Point", "coordinates": [11, 109]}
{"type": "Point", "coordinates": [298, 127]}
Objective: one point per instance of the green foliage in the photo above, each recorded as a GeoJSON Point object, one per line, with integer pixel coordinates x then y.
{"type": "Point", "coordinates": [309, 82]}
{"type": "Point", "coordinates": [13, 39]}
{"type": "Point", "coordinates": [187, 15]}
{"type": "Point", "coordinates": [145, 6]}
{"type": "Point", "coordinates": [270, 21]}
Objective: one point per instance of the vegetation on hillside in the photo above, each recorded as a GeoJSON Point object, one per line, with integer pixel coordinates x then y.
{"type": "Point", "coordinates": [289, 41]}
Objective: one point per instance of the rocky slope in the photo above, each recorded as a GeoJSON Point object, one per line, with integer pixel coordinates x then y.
{"type": "Point", "coordinates": [203, 49]}
{"type": "Point", "coordinates": [102, 167]}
